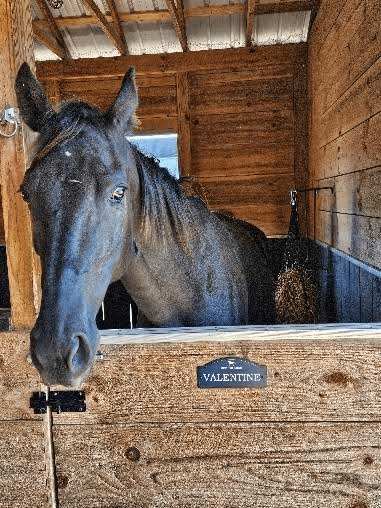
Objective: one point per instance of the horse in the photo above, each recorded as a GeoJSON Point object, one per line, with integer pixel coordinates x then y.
{"type": "Point", "coordinates": [103, 211]}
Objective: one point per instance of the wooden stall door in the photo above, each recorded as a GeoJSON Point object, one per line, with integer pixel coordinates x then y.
{"type": "Point", "coordinates": [152, 438]}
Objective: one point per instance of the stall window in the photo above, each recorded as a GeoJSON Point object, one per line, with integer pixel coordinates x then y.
{"type": "Point", "coordinates": [162, 146]}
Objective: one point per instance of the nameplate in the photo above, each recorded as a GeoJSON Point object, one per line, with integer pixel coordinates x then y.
{"type": "Point", "coordinates": [232, 372]}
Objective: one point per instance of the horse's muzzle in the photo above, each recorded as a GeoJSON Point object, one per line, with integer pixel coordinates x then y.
{"type": "Point", "coordinates": [66, 362]}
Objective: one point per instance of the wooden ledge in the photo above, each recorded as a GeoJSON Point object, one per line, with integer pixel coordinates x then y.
{"type": "Point", "coordinates": [346, 331]}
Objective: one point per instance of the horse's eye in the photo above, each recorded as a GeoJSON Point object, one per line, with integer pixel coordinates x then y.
{"type": "Point", "coordinates": [118, 193]}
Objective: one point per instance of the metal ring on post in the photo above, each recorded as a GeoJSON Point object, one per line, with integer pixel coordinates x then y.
{"type": "Point", "coordinates": [6, 135]}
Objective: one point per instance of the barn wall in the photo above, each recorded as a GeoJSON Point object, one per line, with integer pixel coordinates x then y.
{"type": "Point", "coordinates": [236, 115]}
{"type": "Point", "coordinates": [345, 127]}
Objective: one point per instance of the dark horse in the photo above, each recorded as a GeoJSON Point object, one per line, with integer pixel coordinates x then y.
{"type": "Point", "coordinates": [102, 211]}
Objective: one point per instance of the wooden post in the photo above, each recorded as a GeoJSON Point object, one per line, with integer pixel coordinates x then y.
{"type": "Point", "coordinates": [23, 268]}
{"type": "Point", "coordinates": [183, 125]}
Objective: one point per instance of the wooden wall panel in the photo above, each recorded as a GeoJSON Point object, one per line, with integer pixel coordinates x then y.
{"type": "Point", "coordinates": [345, 124]}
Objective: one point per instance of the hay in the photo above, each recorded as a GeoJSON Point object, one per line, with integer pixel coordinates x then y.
{"type": "Point", "coordinates": [296, 297]}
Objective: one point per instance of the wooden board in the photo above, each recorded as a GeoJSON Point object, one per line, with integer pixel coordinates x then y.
{"type": "Point", "coordinates": [227, 465]}
{"type": "Point", "coordinates": [356, 235]}
{"type": "Point", "coordinates": [23, 476]}
{"type": "Point", "coordinates": [24, 465]}
{"type": "Point", "coordinates": [226, 60]}
{"type": "Point", "coordinates": [18, 378]}
{"type": "Point", "coordinates": [314, 374]}
{"type": "Point", "coordinates": [356, 150]}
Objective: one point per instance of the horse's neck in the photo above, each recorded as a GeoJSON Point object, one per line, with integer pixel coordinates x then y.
{"type": "Point", "coordinates": [162, 263]}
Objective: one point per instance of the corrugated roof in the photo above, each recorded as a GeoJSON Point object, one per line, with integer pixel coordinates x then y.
{"type": "Point", "coordinates": [159, 35]}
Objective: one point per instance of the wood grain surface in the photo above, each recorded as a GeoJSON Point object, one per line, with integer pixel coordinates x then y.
{"type": "Point", "coordinates": [344, 143]}
{"type": "Point", "coordinates": [226, 465]}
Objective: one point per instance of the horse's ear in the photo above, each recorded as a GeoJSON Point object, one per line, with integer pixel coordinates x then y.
{"type": "Point", "coordinates": [122, 111]}
{"type": "Point", "coordinates": [34, 105]}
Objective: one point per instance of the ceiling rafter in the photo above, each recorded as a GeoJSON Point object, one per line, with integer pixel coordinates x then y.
{"type": "Point", "coordinates": [178, 18]}
{"type": "Point", "coordinates": [49, 42]}
{"type": "Point", "coordinates": [117, 23]}
{"type": "Point", "coordinates": [60, 48]}
{"type": "Point", "coordinates": [250, 10]}
{"type": "Point", "coordinates": [106, 26]}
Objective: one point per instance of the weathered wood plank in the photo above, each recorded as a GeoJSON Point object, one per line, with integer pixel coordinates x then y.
{"type": "Point", "coordinates": [356, 150]}
{"type": "Point", "coordinates": [325, 19]}
{"type": "Point", "coordinates": [248, 190]}
{"type": "Point", "coordinates": [23, 476]}
{"type": "Point", "coordinates": [356, 193]}
{"type": "Point", "coordinates": [218, 97]}
{"type": "Point", "coordinates": [359, 103]}
{"type": "Point", "coordinates": [362, 39]}
{"type": "Point", "coordinates": [226, 60]}
{"type": "Point", "coordinates": [231, 464]}
{"type": "Point", "coordinates": [18, 378]}
{"type": "Point", "coordinates": [272, 217]}
{"type": "Point", "coordinates": [242, 131]}
{"type": "Point", "coordinates": [253, 159]}
{"type": "Point", "coordinates": [153, 101]}
{"type": "Point", "coordinates": [324, 379]}
{"type": "Point", "coordinates": [356, 235]}
{"type": "Point", "coordinates": [16, 47]}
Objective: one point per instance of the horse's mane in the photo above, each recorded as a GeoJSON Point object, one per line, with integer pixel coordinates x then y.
{"type": "Point", "coordinates": [163, 201]}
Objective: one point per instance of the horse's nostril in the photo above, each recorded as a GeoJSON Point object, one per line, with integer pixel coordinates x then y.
{"type": "Point", "coordinates": [79, 353]}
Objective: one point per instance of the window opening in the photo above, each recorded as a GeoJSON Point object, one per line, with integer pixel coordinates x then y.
{"type": "Point", "coordinates": [162, 146]}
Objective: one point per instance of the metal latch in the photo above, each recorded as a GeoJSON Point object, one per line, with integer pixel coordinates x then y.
{"type": "Point", "coordinates": [67, 401]}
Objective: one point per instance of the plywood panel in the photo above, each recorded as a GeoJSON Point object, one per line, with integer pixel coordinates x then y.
{"type": "Point", "coordinates": [227, 465]}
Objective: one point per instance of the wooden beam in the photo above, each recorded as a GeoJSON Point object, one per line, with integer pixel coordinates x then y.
{"type": "Point", "coordinates": [183, 124]}
{"type": "Point", "coordinates": [170, 63]}
{"type": "Point", "coordinates": [59, 40]}
{"type": "Point", "coordinates": [17, 47]}
{"type": "Point", "coordinates": [117, 23]}
{"type": "Point", "coordinates": [106, 26]}
{"type": "Point", "coordinates": [250, 9]}
{"type": "Point", "coordinates": [178, 19]}
{"type": "Point", "coordinates": [50, 43]}
{"type": "Point", "coordinates": [165, 15]}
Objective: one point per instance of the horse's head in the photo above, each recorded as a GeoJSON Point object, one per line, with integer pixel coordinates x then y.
{"type": "Point", "coordinates": [79, 192]}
